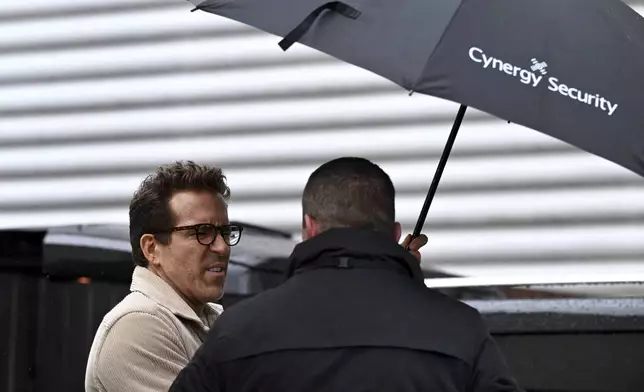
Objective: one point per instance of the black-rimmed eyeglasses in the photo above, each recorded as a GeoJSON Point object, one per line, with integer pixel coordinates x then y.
{"type": "Point", "coordinates": [206, 233]}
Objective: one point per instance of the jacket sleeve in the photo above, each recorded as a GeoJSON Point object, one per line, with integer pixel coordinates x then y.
{"type": "Point", "coordinates": [491, 372]}
{"type": "Point", "coordinates": [140, 353]}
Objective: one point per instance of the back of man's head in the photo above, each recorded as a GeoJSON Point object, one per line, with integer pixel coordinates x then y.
{"type": "Point", "coordinates": [349, 192]}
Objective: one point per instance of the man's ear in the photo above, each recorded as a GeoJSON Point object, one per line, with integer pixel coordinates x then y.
{"type": "Point", "coordinates": [149, 246]}
{"type": "Point", "coordinates": [311, 227]}
{"type": "Point", "coordinates": [397, 231]}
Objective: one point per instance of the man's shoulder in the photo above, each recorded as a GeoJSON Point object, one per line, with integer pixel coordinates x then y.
{"type": "Point", "coordinates": [133, 304]}
{"type": "Point", "coordinates": [123, 323]}
{"type": "Point", "coordinates": [132, 343]}
{"type": "Point", "coordinates": [133, 310]}
{"type": "Point", "coordinates": [251, 309]}
{"type": "Point", "coordinates": [452, 309]}
{"type": "Point", "coordinates": [431, 300]}
{"type": "Point", "coordinates": [442, 299]}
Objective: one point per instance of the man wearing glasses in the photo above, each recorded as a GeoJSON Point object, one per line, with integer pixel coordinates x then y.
{"type": "Point", "coordinates": [181, 238]}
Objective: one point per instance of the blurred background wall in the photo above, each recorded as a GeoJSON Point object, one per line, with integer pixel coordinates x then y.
{"type": "Point", "coordinates": [95, 94]}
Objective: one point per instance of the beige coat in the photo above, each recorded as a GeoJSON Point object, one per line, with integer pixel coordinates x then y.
{"type": "Point", "coordinates": [143, 342]}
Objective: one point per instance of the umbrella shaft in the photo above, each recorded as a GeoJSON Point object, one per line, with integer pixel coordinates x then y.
{"type": "Point", "coordinates": [439, 170]}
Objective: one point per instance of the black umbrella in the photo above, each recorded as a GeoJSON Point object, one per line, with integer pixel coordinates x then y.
{"type": "Point", "coordinates": [572, 69]}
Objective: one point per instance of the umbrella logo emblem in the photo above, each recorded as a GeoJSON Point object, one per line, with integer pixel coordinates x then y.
{"type": "Point", "coordinates": [539, 66]}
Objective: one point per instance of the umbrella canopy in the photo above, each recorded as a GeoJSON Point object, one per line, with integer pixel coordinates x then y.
{"type": "Point", "coordinates": [572, 69]}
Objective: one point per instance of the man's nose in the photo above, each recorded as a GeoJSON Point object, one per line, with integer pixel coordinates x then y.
{"type": "Point", "coordinates": [219, 245]}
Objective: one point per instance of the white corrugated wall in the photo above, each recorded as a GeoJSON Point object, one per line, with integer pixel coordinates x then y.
{"type": "Point", "coordinates": [94, 94]}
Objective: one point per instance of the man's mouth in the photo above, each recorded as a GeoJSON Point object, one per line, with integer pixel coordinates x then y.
{"type": "Point", "coordinates": [215, 269]}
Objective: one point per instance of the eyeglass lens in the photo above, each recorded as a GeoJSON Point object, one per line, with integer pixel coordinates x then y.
{"type": "Point", "coordinates": [206, 234]}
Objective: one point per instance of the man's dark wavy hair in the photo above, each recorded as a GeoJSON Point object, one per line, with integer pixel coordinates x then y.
{"type": "Point", "coordinates": [150, 210]}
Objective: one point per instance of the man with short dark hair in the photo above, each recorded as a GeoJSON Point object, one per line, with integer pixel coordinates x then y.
{"type": "Point", "coordinates": [181, 238]}
{"type": "Point", "coordinates": [354, 314]}
{"type": "Point", "coordinates": [351, 193]}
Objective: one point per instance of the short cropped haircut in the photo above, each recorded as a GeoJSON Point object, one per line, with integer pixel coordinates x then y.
{"type": "Point", "coordinates": [350, 192]}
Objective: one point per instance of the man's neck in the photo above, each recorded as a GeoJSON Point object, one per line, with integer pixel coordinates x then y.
{"type": "Point", "coordinates": [197, 307]}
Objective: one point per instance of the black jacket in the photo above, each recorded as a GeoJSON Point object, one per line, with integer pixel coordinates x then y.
{"type": "Point", "coordinates": [355, 316]}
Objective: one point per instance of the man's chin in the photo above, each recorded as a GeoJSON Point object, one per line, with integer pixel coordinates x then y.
{"type": "Point", "coordinates": [214, 295]}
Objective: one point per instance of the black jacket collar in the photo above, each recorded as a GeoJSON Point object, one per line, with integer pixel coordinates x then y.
{"type": "Point", "coordinates": [352, 243]}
